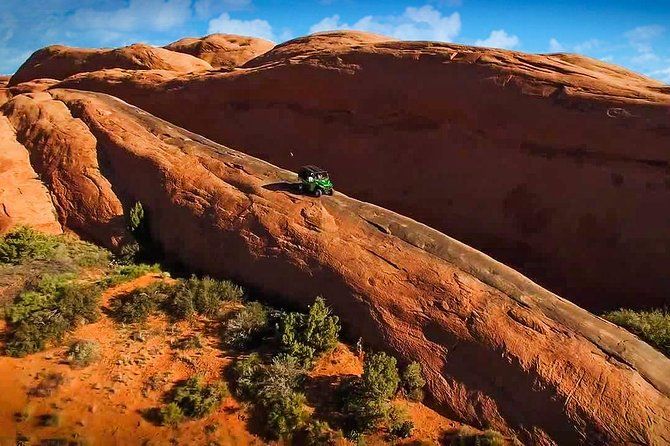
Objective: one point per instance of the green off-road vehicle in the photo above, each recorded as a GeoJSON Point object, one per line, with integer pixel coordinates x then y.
{"type": "Point", "coordinates": [315, 181]}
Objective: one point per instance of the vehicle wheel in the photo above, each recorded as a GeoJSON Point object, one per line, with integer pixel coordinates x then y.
{"type": "Point", "coordinates": [330, 192]}
{"type": "Point", "coordinates": [300, 188]}
{"type": "Point", "coordinates": [317, 192]}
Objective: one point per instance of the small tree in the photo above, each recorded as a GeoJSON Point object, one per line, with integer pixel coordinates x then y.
{"type": "Point", "coordinates": [310, 335]}
{"type": "Point", "coordinates": [380, 376]}
{"type": "Point", "coordinates": [136, 218]}
{"type": "Point", "coordinates": [413, 381]}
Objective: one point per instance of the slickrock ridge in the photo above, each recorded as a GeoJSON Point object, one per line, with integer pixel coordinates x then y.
{"type": "Point", "coordinates": [59, 62]}
{"type": "Point", "coordinates": [555, 164]}
{"type": "Point", "coordinates": [497, 350]}
{"type": "Point", "coordinates": [222, 50]}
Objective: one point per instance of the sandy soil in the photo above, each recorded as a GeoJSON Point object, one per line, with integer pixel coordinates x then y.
{"type": "Point", "coordinates": [103, 404]}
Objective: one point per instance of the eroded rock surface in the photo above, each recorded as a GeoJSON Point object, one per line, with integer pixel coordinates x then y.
{"type": "Point", "coordinates": [555, 164]}
{"type": "Point", "coordinates": [24, 200]}
{"type": "Point", "coordinates": [497, 350]}
{"type": "Point", "coordinates": [59, 62]}
{"type": "Point", "coordinates": [222, 50]}
{"type": "Point", "coordinates": [64, 154]}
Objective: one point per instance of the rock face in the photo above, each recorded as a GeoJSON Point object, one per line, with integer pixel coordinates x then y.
{"type": "Point", "coordinates": [60, 62]}
{"type": "Point", "coordinates": [497, 350]}
{"type": "Point", "coordinates": [23, 197]}
{"type": "Point", "coordinates": [222, 50]}
{"type": "Point", "coordinates": [63, 153]}
{"type": "Point", "coordinates": [556, 164]}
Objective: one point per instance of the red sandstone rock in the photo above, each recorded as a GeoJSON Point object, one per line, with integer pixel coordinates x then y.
{"type": "Point", "coordinates": [555, 164]}
{"type": "Point", "coordinates": [497, 350]}
{"type": "Point", "coordinates": [64, 154]}
{"type": "Point", "coordinates": [222, 50]}
{"type": "Point", "coordinates": [60, 62]}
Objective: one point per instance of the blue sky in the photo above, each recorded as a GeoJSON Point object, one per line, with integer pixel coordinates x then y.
{"type": "Point", "coordinates": [635, 34]}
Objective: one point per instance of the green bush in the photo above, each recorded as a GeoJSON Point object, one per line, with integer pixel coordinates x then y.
{"type": "Point", "coordinates": [183, 299]}
{"type": "Point", "coordinates": [272, 388]}
{"type": "Point", "coordinates": [208, 294]}
{"type": "Point", "coordinates": [246, 327]}
{"type": "Point", "coordinates": [380, 376]}
{"type": "Point", "coordinates": [129, 253]}
{"type": "Point", "coordinates": [652, 326]}
{"type": "Point", "coordinates": [83, 353]}
{"type": "Point", "coordinates": [139, 304]}
{"type": "Point", "coordinates": [193, 399]}
{"type": "Point", "coordinates": [413, 382]}
{"type": "Point", "coordinates": [136, 218]}
{"type": "Point", "coordinates": [467, 438]}
{"type": "Point", "coordinates": [399, 423]}
{"type": "Point", "coordinates": [47, 311]}
{"type": "Point", "coordinates": [319, 433]}
{"type": "Point", "coordinates": [125, 273]}
{"type": "Point", "coordinates": [171, 415]}
{"type": "Point", "coordinates": [24, 243]}
{"type": "Point", "coordinates": [366, 401]}
{"type": "Point", "coordinates": [306, 336]}
{"type": "Point", "coordinates": [247, 374]}
{"type": "Point", "coordinates": [282, 376]}
{"type": "Point", "coordinates": [285, 415]}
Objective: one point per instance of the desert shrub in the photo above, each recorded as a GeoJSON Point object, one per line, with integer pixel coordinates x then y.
{"type": "Point", "coordinates": [279, 378]}
{"type": "Point", "coordinates": [193, 399]}
{"type": "Point", "coordinates": [247, 374]}
{"type": "Point", "coordinates": [125, 273]}
{"type": "Point", "coordinates": [139, 304]}
{"type": "Point", "coordinates": [24, 243]}
{"type": "Point", "coordinates": [366, 401]}
{"type": "Point", "coordinates": [306, 336]}
{"type": "Point", "coordinates": [83, 353]}
{"type": "Point", "coordinates": [652, 326]}
{"type": "Point", "coordinates": [413, 382]}
{"type": "Point", "coordinates": [466, 437]}
{"type": "Point", "coordinates": [319, 433]}
{"type": "Point", "coordinates": [48, 310]}
{"type": "Point", "coordinates": [178, 302]}
{"type": "Point", "coordinates": [285, 415]}
{"type": "Point", "coordinates": [272, 388]}
{"type": "Point", "coordinates": [129, 253]}
{"type": "Point", "coordinates": [208, 294]}
{"type": "Point", "coordinates": [171, 414]}
{"type": "Point", "coordinates": [246, 327]}
{"type": "Point", "coordinates": [399, 423]}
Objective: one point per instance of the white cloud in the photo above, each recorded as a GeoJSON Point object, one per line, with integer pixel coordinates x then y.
{"type": "Point", "coordinates": [555, 46]}
{"type": "Point", "coordinates": [424, 23]}
{"type": "Point", "coordinates": [205, 9]}
{"type": "Point", "coordinates": [663, 75]}
{"type": "Point", "coordinates": [640, 38]}
{"type": "Point", "coordinates": [7, 25]}
{"type": "Point", "coordinates": [139, 15]}
{"type": "Point", "coordinates": [255, 27]}
{"type": "Point", "coordinates": [587, 45]}
{"type": "Point", "coordinates": [499, 39]}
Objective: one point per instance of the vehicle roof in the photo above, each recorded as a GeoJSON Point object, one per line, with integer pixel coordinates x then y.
{"type": "Point", "coordinates": [313, 169]}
